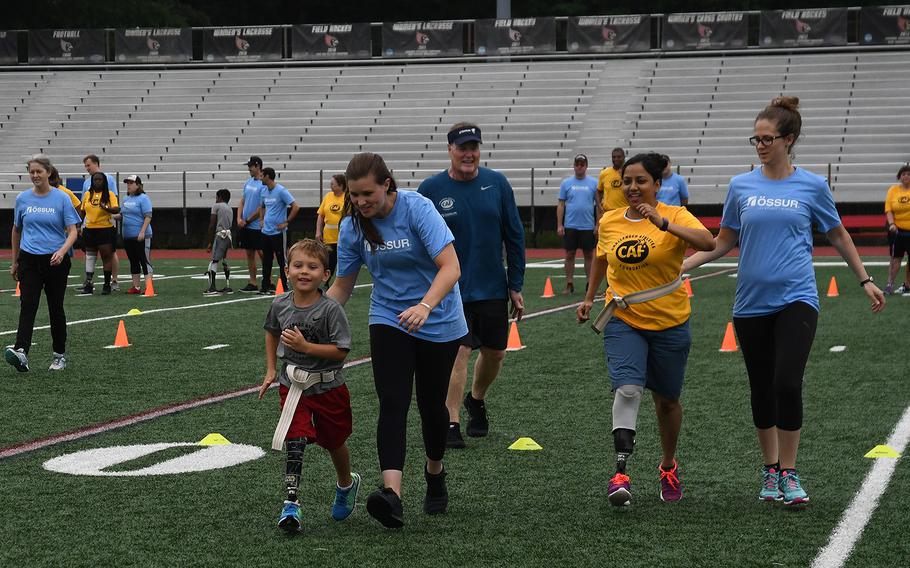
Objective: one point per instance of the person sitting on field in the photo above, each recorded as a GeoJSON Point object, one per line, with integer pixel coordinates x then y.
{"type": "Point", "coordinates": [220, 242]}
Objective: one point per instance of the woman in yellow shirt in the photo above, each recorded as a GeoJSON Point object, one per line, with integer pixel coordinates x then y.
{"type": "Point", "coordinates": [99, 203]}
{"type": "Point", "coordinates": [328, 219]}
{"type": "Point", "coordinates": [897, 210]}
{"type": "Point", "coordinates": [641, 247]}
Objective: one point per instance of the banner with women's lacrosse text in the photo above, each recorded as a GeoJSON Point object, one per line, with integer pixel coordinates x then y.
{"type": "Point", "coordinates": [515, 36]}
{"type": "Point", "coordinates": [65, 46]}
{"type": "Point", "coordinates": [153, 45]}
{"type": "Point", "coordinates": [803, 28]}
{"type": "Point", "coordinates": [9, 51]}
{"type": "Point", "coordinates": [422, 39]}
{"type": "Point", "coordinates": [331, 41]}
{"type": "Point", "coordinates": [254, 43]}
{"type": "Point", "coordinates": [609, 34]}
{"type": "Point", "coordinates": [705, 30]}
{"type": "Point", "coordinates": [888, 25]}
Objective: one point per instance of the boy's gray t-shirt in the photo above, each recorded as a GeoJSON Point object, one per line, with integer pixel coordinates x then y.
{"type": "Point", "coordinates": [323, 322]}
{"type": "Point", "coordinates": [225, 216]}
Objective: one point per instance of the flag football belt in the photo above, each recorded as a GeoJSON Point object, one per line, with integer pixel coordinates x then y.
{"type": "Point", "coordinates": [224, 234]}
{"type": "Point", "coordinates": [623, 302]}
{"type": "Point", "coordinates": [300, 381]}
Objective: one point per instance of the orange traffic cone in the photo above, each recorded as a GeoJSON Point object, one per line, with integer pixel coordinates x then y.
{"type": "Point", "coordinates": [548, 289]}
{"type": "Point", "coordinates": [18, 293]}
{"type": "Point", "coordinates": [279, 288]}
{"type": "Point", "coordinates": [688, 286]}
{"type": "Point", "coordinates": [729, 344]}
{"type": "Point", "coordinates": [149, 288]}
{"type": "Point", "coordinates": [514, 343]}
{"type": "Point", "coordinates": [121, 339]}
{"type": "Point", "coordinates": [832, 288]}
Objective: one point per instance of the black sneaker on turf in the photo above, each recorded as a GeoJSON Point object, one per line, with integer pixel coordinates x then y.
{"type": "Point", "coordinates": [210, 291]}
{"type": "Point", "coordinates": [384, 505]}
{"type": "Point", "coordinates": [478, 426]}
{"type": "Point", "coordinates": [437, 499]}
{"type": "Point", "coordinates": [250, 289]}
{"type": "Point", "coordinates": [86, 290]}
{"type": "Point", "coordinates": [106, 290]}
{"type": "Point", "coordinates": [453, 436]}
{"type": "Point", "coordinates": [226, 290]}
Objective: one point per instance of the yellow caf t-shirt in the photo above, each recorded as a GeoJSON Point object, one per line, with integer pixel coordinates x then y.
{"type": "Point", "coordinates": [641, 256]}
{"type": "Point", "coordinates": [71, 195]}
{"type": "Point", "coordinates": [610, 185]}
{"type": "Point", "coordinates": [95, 216]}
{"type": "Point", "coordinates": [898, 204]}
{"type": "Point", "coordinates": [332, 208]}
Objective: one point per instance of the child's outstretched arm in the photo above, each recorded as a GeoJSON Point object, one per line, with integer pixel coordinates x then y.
{"type": "Point", "coordinates": [271, 363]}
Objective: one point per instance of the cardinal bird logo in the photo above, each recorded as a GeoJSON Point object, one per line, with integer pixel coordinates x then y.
{"type": "Point", "coordinates": [514, 35]}
{"type": "Point", "coordinates": [65, 46]}
{"type": "Point", "coordinates": [609, 34]}
{"type": "Point", "coordinates": [903, 24]}
{"type": "Point", "coordinates": [241, 43]}
{"type": "Point", "coordinates": [704, 31]}
{"type": "Point", "coordinates": [802, 27]}
{"type": "Point", "coordinates": [422, 38]}
{"type": "Point", "coordinates": [330, 40]}
{"type": "Point", "coordinates": [152, 44]}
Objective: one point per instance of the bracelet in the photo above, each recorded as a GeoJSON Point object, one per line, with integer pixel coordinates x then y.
{"type": "Point", "coordinates": [665, 225]}
{"type": "Point", "coordinates": [427, 306]}
{"type": "Point", "coordinates": [866, 281]}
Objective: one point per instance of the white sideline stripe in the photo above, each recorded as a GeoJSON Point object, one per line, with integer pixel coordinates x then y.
{"type": "Point", "coordinates": [857, 515]}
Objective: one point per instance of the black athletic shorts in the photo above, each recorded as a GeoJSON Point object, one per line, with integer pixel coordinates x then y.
{"type": "Point", "coordinates": [93, 238]}
{"type": "Point", "coordinates": [249, 239]}
{"type": "Point", "coordinates": [579, 239]}
{"type": "Point", "coordinates": [899, 244]}
{"type": "Point", "coordinates": [488, 324]}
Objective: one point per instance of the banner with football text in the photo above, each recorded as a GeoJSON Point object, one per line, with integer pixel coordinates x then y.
{"type": "Point", "coordinates": [331, 41]}
{"type": "Point", "coordinates": [515, 36]}
{"type": "Point", "coordinates": [153, 45]}
{"type": "Point", "coordinates": [803, 28]}
{"type": "Point", "coordinates": [240, 44]}
{"type": "Point", "coordinates": [889, 25]}
{"type": "Point", "coordinates": [65, 46]}
{"type": "Point", "coordinates": [705, 30]}
{"type": "Point", "coordinates": [9, 49]}
{"type": "Point", "coordinates": [609, 34]}
{"type": "Point", "coordinates": [422, 39]}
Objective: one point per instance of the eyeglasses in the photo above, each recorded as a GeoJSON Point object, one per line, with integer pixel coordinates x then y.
{"type": "Point", "coordinates": [766, 140]}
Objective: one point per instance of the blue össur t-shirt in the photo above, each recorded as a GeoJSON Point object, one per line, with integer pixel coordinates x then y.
{"type": "Point", "coordinates": [774, 220]}
{"type": "Point", "coordinates": [673, 189]}
{"type": "Point", "coordinates": [42, 220]}
{"type": "Point", "coordinates": [276, 202]}
{"type": "Point", "coordinates": [403, 268]}
{"type": "Point", "coordinates": [483, 216]}
{"type": "Point", "coordinates": [252, 190]}
{"type": "Point", "coordinates": [580, 196]}
{"type": "Point", "coordinates": [134, 209]}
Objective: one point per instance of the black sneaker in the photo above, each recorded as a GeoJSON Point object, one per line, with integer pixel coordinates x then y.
{"type": "Point", "coordinates": [266, 292]}
{"type": "Point", "coordinates": [453, 436]}
{"type": "Point", "coordinates": [106, 290]}
{"type": "Point", "coordinates": [86, 290]}
{"type": "Point", "coordinates": [384, 505]}
{"type": "Point", "coordinates": [478, 426]}
{"type": "Point", "coordinates": [250, 289]}
{"type": "Point", "coordinates": [437, 499]}
{"type": "Point", "coordinates": [226, 290]}
{"type": "Point", "coordinates": [211, 291]}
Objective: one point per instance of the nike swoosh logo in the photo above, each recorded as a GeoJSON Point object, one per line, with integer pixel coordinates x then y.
{"type": "Point", "coordinates": [485, 187]}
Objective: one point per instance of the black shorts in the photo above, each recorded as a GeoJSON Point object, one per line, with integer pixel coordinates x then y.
{"type": "Point", "coordinates": [899, 244]}
{"type": "Point", "coordinates": [488, 324]}
{"type": "Point", "coordinates": [249, 239]}
{"type": "Point", "coordinates": [94, 238]}
{"type": "Point", "coordinates": [579, 239]}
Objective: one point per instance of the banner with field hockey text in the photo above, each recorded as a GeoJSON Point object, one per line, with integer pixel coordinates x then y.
{"type": "Point", "coordinates": [803, 28]}
{"type": "Point", "coordinates": [55, 47]}
{"type": "Point", "coordinates": [609, 34]}
{"type": "Point", "coordinates": [9, 50]}
{"type": "Point", "coordinates": [153, 45]}
{"type": "Point", "coordinates": [422, 39]}
{"type": "Point", "coordinates": [705, 30]}
{"type": "Point", "coordinates": [242, 44]}
{"type": "Point", "coordinates": [331, 41]}
{"type": "Point", "coordinates": [888, 25]}
{"type": "Point", "coordinates": [515, 36]}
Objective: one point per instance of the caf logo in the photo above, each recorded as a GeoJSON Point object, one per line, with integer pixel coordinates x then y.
{"type": "Point", "coordinates": [447, 203]}
{"type": "Point", "coordinates": [616, 183]}
{"type": "Point", "coordinates": [903, 200]}
{"type": "Point", "coordinates": [335, 208]}
{"type": "Point", "coordinates": [632, 251]}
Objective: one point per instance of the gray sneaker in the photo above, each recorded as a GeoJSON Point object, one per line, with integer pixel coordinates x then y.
{"type": "Point", "coordinates": [17, 358]}
{"type": "Point", "coordinates": [115, 286]}
{"type": "Point", "coordinates": [59, 362]}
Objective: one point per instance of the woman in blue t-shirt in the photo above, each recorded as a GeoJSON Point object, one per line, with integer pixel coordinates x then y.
{"type": "Point", "coordinates": [136, 208]}
{"type": "Point", "coordinates": [770, 212]}
{"type": "Point", "coordinates": [416, 320]}
{"type": "Point", "coordinates": [44, 230]}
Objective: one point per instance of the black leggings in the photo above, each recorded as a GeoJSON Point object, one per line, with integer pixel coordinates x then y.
{"type": "Point", "coordinates": [135, 251]}
{"type": "Point", "coordinates": [273, 245]}
{"type": "Point", "coordinates": [35, 273]}
{"type": "Point", "coordinates": [399, 358]}
{"type": "Point", "coordinates": [775, 348]}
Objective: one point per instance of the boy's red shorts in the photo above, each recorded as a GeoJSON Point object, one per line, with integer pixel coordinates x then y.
{"type": "Point", "coordinates": [322, 418]}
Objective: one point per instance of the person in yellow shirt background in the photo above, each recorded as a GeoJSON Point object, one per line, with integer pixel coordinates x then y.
{"type": "Point", "coordinates": [641, 247]}
{"type": "Point", "coordinates": [897, 210]}
{"type": "Point", "coordinates": [328, 219]}
{"type": "Point", "coordinates": [609, 183]}
{"type": "Point", "coordinates": [99, 203]}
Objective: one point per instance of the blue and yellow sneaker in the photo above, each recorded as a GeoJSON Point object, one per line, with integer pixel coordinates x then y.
{"type": "Point", "coordinates": [791, 488]}
{"type": "Point", "coordinates": [770, 484]}
{"type": "Point", "coordinates": [345, 499]}
{"type": "Point", "coordinates": [289, 521]}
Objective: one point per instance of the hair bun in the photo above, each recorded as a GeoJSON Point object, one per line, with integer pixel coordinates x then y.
{"type": "Point", "coordinates": [789, 103]}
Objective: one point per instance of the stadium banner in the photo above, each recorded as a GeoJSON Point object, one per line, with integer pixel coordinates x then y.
{"type": "Point", "coordinates": [331, 41]}
{"type": "Point", "coordinates": [515, 36]}
{"type": "Point", "coordinates": [803, 28]}
{"type": "Point", "coordinates": [9, 50]}
{"type": "Point", "coordinates": [254, 43]}
{"type": "Point", "coordinates": [705, 30]}
{"type": "Point", "coordinates": [65, 46]}
{"type": "Point", "coordinates": [888, 25]}
{"type": "Point", "coordinates": [609, 34]}
{"type": "Point", "coordinates": [153, 45]}
{"type": "Point", "coordinates": [422, 39]}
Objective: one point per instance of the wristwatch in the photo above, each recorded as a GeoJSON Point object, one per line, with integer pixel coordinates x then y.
{"type": "Point", "coordinates": [866, 281]}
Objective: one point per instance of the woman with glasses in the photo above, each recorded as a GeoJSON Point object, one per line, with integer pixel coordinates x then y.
{"type": "Point", "coordinates": [770, 212]}
{"type": "Point", "coordinates": [897, 210]}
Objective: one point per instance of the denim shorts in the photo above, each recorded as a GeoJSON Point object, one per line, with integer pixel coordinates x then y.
{"type": "Point", "coordinates": [651, 359]}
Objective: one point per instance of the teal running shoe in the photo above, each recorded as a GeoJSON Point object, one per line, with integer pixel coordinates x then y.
{"type": "Point", "coordinates": [791, 488]}
{"type": "Point", "coordinates": [289, 521]}
{"type": "Point", "coordinates": [770, 484]}
{"type": "Point", "coordinates": [345, 499]}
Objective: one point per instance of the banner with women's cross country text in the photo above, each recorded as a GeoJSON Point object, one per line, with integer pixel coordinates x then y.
{"type": "Point", "coordinates": [885, 25]}
{"type": "Point", "coordinates": [9, 49]}
{"type": "Point", "coordinates": [515, 36]}
{"type": "Point", "coordinates": [803, 28]}
{"type": "Point", "coordinates": [609, 34]}
{"type": "Point", "coordinates": [331, 41]}
{"type": "Point", "coordinates": [422, 39]}
{"type": "Point", "coordinates": [55, 47]}
{"type": "Point", "coordinates": [153, 45]}
{"type": "Point", "coordinates": [705, 30]}
{"type": "Point", "coordinates": [242, 44]}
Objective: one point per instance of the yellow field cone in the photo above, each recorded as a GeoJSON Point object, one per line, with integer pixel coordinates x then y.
{"type": "Point", "coordinates": [279, 288]}
{"type": "Point", "coordinates": [548, 289]}
{"type": "Point", "coordinates": [688, 286]}
{"type": "Point", "coordinates": [18, 293]}
{"type": "Point", "coordinates": [832, 288]}
{"type": "Point", "coordinates": [121, 339]}
{"type": "Point", "coordinates": [729, 344]}
{"type": "Point", "coordinates": [514, 343]}
{"type": "Point", "coordinates": [149, 288]}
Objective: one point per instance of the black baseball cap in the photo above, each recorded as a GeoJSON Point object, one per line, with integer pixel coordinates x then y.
{"type": "Point", "coordinates": [254, 161]}
{"type": "Point", "coordinates": [466, 134]}
{"type": "Point", "coordinates": [580, 158]}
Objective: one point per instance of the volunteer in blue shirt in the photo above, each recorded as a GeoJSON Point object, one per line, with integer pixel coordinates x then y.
{"type": "Point", "coordinates": [44, 229]}
{"type": "Point", "coordinates": [416, 320]}
{"type": "Point", "coordinates": [673, 187]}
{"type": "Point", "coordinates": [576, 218]}
{"type": "Point", "coordinates": [770, 211]}
{"type": "Point", "coordinates": [249, 237]}
{"type": "Point", "coordinates": [136, 209]}
{"type": "Point", "coordinates": [92, 164]}
{"type": "Point", "coordinates": [479, 207]}
{"type": "Point", "coordinates": [274, 201]}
